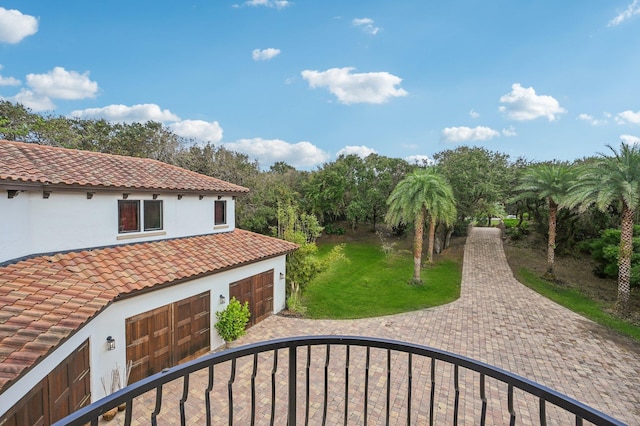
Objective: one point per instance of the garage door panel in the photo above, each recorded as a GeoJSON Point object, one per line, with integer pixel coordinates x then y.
{"type": "Point", "coordinates": [64, 390]}
{"type": "Point", "coordinates": [168, 335]}
{"type": "Point", "coordinates": [258, 292]}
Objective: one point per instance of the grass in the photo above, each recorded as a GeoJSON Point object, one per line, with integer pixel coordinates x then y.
{"type": "Point", "coordinates": [368, 284]}
{"type": "Point", "coordinates": [577, 302]}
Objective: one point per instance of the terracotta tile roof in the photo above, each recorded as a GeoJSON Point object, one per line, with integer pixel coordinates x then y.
{"type": "Point", "coordinates": [43, 300]}
{"type": "Point", "coordinates": [26, 163]}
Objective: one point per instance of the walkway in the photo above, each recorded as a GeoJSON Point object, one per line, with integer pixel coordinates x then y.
{"type": "Point", "coordinates": [503, 323]}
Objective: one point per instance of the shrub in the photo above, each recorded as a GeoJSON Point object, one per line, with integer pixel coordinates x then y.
{"type": "Point", "coordinates": [232, 321]}
{"type": "Point", "coordinates": [604, 251]}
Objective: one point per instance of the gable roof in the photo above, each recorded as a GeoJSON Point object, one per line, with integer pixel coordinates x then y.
{"type": "Point", "coordinates": [27, 164]}
{"type": "Point", "coordinates": [45, 299]}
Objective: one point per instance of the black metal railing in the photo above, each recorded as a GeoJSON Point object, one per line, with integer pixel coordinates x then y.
{"type": "Point", "coordinates": [338, 380]}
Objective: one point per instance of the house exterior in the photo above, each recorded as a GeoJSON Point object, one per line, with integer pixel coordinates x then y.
{"type": "Point", "coordinates": [107, 259]}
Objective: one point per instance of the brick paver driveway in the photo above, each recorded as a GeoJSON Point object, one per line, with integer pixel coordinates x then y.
{"type": "Point", "coordinates": [501, 322]}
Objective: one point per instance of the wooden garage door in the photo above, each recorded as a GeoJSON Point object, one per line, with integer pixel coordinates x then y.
{"type": "Point", "coordinates": [66, 389]}
{"type": "Point", "coordinates": [258, 291]}
{"type": "Point", "coordinates": [167, 336]}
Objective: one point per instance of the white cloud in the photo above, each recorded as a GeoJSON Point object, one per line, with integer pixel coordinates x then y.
{"type": "Point", "coordinates": [523, 104]}
{"type": "Point", "coordinates": [8, 81]}
{"type": "Point", "coordinates": [140, 113]}
{"type": "Point", "coordinates": [278, 4]}
{"type": "Point", "coordinates": [302, 155]}
{"type": "Point", "coordinates": [198, 129]}
{"type": "Point", "coordinates": [632, 9]}
{"type": "Point", "coordinates": [630, 139]}
{"type": "Point", "coordinates": [265, 54]}
{"type": "Point", "coordinates": [32, 100]}
{"type": "Point", "coordinates": [591, 120]}
{"type": "Point", "coordinates": [419, 160]}
{"type": "Point", "coordinates": [361, 151]}
{"type": "Point", "coordinates": [14, 26]}
{"type": "Point", "coordinates": [474, 114]}
{"type": "Point", "coordinates": [628, 117]}
{"type": "Point", "coordinates": [62, 84]}
{"type": "Point", "coordinates": [463, 134]}
{"type": "Point", "coordinates": [366, 24]}
{"type": "Point", "coordinates": [511, 131]}
{"type": "Point", "coordinates": [350, 88]}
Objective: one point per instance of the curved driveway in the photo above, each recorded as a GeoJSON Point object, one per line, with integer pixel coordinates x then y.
{"type": "Point", "coordinates": [501, 322]}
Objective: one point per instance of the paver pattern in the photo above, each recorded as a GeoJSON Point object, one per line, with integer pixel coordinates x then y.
{"type": "Point", "coordinates": [501, 322]}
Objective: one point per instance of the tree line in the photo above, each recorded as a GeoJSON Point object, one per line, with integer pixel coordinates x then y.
{"type": "Point", "coordinates": [569, 202]}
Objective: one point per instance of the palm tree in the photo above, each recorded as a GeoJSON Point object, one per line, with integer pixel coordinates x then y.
{"type": "Point", "coordinates": [551, 182]}
{"type": "Point", "coordinates": [422, 195]}
{"type": "Point", "coordinates": [612, 180]}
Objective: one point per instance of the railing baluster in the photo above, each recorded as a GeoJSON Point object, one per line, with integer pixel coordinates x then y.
{"type": "Point", "coordinates": [158, 406]}
{"type": "Point", "coordinates": [433, 390]}
{"type": "Point", "coordinates": [483, 398]}
{"type": "Point", "coordinates": [388, 384]}
{"type": "Point", "coordinates": [185, 395]}
{"type": "Point", "coordinates": [409, 386]}
{"type": "Point", "coordinates": [543, 413]}
{"type": "Point", "coordinates": [346, 387]}
{"type": "Point", "coordinates": [127, 413]}
{"type": "Point", "coordinates": [578, 421]}
{"type": "Point", "coordinates": [366, 386]}
{"type": "Point", "coordinates": [512, 412]}
{"type": "Point", "coordinates": [207, 396]}
{"type": "Point", "coordinates": [456, 384]}
{"type": "Point", "coordinates": [308, 383]}
{"type": "Point", "coordinates": [326, 385]}
{"type": "Point", "coordinates": [293, 386]}
{"type": "Point", "coordinates": [232, 378]}
{"type": "Point", "coordinates": [274, 370]}
{"type": "Point", "coordinates": [253, 389]}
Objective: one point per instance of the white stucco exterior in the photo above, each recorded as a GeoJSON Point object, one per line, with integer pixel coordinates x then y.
{"type": "Point", "coordinates": [68, 220]}
{"type": "Point", "coordinates": [111, 322]}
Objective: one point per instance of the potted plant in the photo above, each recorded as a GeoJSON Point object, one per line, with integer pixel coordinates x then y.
{"type": "Point", "coordinates": [232, 321]}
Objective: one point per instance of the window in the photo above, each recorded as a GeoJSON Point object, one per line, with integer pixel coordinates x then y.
{"type": "Point", "coordinates": [128, 216]}
{"type": "Point", "coordinates": [152, 215]}
{"type": "Point", "coordinates": [220, 208]}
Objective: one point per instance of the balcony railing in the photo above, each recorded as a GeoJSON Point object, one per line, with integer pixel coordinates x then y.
{"type": "Point", "coordinates": [338, 380]}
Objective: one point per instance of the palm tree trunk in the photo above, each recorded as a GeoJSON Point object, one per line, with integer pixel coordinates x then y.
{"type": "Point", "coordinates": [417, 247]}
{"type": "Point", "coordinates": [551, 244]}
{"type": "Point", "coordinates": [624, 260]}
{"type": "Point", "coordinates": [432, 238]}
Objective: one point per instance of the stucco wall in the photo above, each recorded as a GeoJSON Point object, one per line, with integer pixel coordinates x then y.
{"type": "Point", "coordinates": [111, 322]}
{"type": "Point", "coordinates": [31, 224]}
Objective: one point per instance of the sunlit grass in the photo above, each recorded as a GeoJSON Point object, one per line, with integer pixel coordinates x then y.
{"type": "Point", "coordinates": [369, 284]}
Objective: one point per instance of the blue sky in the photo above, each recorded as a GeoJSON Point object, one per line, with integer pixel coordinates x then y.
{"type": "Point", "coordinates": [305, 81]}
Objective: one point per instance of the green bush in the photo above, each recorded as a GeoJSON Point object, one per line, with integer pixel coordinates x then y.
{"type": "Point", "coordinates": [516, 232]}
{"type": "Point", "coordinates": [604, 251]}
{"type": "Point", "coordinates": [232, 321]}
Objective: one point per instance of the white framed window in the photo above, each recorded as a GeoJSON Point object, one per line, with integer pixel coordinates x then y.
{"type": "Point", "coordinates": [129, 216]}
{"type": "Point", "coordinates": [220, 212]}
{"type": "Point", "coordinates": [152, 215]}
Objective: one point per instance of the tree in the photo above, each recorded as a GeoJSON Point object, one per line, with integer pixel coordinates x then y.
{"type": "Point", "coordinates": [549, 181]}
{"type": "Point", "coordinates": [479, 178]}
{"type": "Point", "coordinates": [613, 180]}
{"type": "Point", "coordinates": [423, 195]}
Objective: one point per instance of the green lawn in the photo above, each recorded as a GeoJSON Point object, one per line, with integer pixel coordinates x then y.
{"type": "Point", "coordinates": [576, 301]}
{"type": "Point", "coordinates": [368, 284]}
